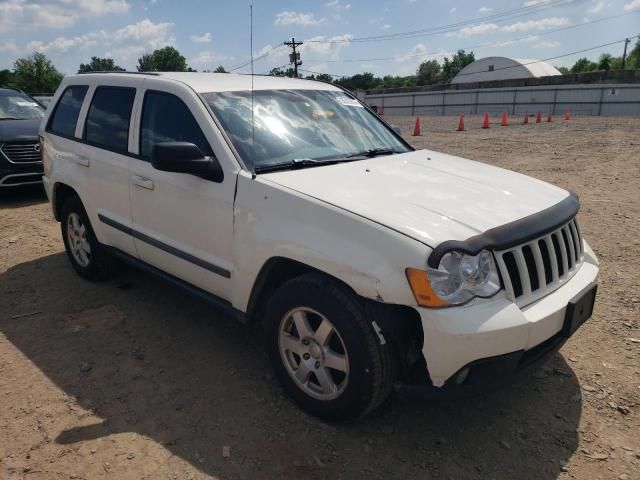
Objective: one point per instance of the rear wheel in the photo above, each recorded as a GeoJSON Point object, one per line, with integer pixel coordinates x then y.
{"type": "Point", "coordinates": [325, 352]}
{"type": "Point", "coordinates": [87, 256]}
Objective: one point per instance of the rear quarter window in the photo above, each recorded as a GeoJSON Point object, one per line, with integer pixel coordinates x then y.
{"type": "Point", "coordinates": [65, 116]}
{"type": "Point", "coordinates": [107, 123]}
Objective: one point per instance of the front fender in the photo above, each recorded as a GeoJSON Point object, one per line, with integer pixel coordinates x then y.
{"type": "Point", "coordinates": [273, 221]}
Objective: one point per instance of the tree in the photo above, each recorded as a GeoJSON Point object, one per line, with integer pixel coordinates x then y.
{"type": "Point", "coordinates": [7, 78]}
{"type": "Point", "coordinates": [166, 59]}
{"type": "Point", "coordinates": [360, 81]}
{"type": "Point", "coordinates": [278, 72]}
{"type": "Point", "coordinates": [36, 74]}
{"type": "Point", "coordinates": [98, 64]}
{"type": "Point", "coordinates": [450, 68]}
{"type": "Point", "coordinates": [220, 69]}
{"type": "Point", "coordinates": [604, 61]}
{"type": "Point", "coordinates": [633, 58]}
{"type": "Point", "coordinates": [584, 65]}
{"type": "Point", "coordinates": [564, 70]}
{"type": "Point", "coordinates": [324, 77]}
{"type": "Point", "coordinates": [428, 72]}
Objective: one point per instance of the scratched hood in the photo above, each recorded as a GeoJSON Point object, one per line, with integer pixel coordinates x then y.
{"type": "Point", "coordinates": [430, 196]}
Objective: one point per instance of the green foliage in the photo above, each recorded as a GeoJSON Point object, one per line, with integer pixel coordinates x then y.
{"type": "Point", "coordinates": [278, 72]}
{"type": "Point", "coordinates": [36, 74]}
{"type": "Point", "coordinates": [166, 59]}
{"type": "Point", "coordinates": [428, 72]}
{"type": "Point", "coordinates": [604, 61]}
{"type": "Point", "coordinates": [359, 81]}
{"type": "Point", "coordinates": [98, 64]}
{"type": "Point", "coordinates": [564, 70]}
{"type": "Point", "coordinates": [7, 78]}
{"type": "Point", "coordinates": [220, 69]}
{"type": "Point", "coordinates": [584, 65]}
{"type": "Point", "coordinates": [633, 57]}
{"type": "Point", "coordinates": [450, 68]}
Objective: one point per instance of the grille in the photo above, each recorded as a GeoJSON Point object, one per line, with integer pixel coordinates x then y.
{"type": "Point", "coordinates": [21, 152]}
{"type": "Point", "coordinates": [532, 270]}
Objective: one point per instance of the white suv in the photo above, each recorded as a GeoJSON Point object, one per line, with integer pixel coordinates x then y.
{"type": "Point", "coordinates": [294, 205]}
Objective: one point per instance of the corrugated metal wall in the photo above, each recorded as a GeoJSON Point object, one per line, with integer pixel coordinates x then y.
{"type": "Point", "coordinates": [609, 100]}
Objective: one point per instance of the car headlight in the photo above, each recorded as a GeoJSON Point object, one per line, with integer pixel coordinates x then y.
{"type": "Point", "coordinates": [458, 279]}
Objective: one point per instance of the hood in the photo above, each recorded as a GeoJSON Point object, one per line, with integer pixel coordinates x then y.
{"type": "Point", "coordinates": [19, 130]}
{"type": "Point", "coordinates": [429, 196]}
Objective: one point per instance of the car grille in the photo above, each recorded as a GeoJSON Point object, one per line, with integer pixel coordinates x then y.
{"type": "Point", "coordinates": [21, 152]}
{"type": "Point", "coordinates": [532, 270]}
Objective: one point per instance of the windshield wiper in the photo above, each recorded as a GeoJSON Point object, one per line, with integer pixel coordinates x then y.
{"type": "Point", "coordinates": [373, 152]}
{"type": "Point", "coordinates": [295, 163]}
{"type": "Point", "coordinates": [10, 118]}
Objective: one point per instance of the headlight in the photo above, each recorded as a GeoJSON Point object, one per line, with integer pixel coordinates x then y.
{"type": "Point", "coordinates": [458, 279]}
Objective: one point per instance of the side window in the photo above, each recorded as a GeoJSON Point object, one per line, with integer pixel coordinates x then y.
{"type": "Point", "coordinates": [165, 118]}
{"type": "Point", "coordinates": [108, 118]}
{"type": "Point", "coordinates": [65, 116]}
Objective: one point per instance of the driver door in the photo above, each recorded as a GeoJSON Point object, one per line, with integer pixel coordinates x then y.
{"type": "Point", "coordinates": [182, 224]}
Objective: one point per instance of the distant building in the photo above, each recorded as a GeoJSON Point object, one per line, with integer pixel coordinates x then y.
{"type": "Point", "coordinates": [503, 68]}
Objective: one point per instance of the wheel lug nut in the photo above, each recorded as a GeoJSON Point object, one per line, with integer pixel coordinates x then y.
{"type": "Point", "coordinates": [317, 364]}
{"type": "Point", "coordinates": [306, 356]}
{"type": "Point", "coordinates": [305, 342]}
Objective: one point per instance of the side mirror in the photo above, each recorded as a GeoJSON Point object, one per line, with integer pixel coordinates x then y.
{"type": "Point", "coordinates": [185, 157]}
{"type": "Point", "coordinates": [396, 128]}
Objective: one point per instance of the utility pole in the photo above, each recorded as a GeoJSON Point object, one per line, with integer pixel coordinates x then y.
{"type": "Point", "coordinates": [295, 56]}
{"type": "Point", "coordinates": [624, 55]}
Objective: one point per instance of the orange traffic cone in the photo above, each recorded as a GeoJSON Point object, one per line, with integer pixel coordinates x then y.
{"type": "Point", "coordinates": [486, 121]}
{"type": "Point", "coordinates": [567, 115]}
{"type": "Point", "coordinates": [504, 119]}
{"type": "Point", "coordinates": [461, 123]}
{"type": "Point", "coordinates": [416, 130]}
{"type": "Point", "coordinates": [549, 118]}
{"type": "Point", "coordinates": [538, 117]}
{"type": "Point", "coordinates": [526, 117]}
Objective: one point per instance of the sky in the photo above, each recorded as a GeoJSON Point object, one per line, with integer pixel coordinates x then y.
{"type": "Point", "coordinates": [341, 37]}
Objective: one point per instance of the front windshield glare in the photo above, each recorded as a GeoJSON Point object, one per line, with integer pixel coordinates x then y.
{"type": "Point", "coordinates": [293, 125]}
{"type": "Point", "coordinates": [18, 107]}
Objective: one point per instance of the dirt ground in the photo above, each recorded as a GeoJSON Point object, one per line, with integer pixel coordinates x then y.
{"type": "Point", "coordinates": [133, 379]}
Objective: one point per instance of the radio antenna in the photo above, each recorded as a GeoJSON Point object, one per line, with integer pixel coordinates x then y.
{"type": "Point", "coordinates": [253, 125]}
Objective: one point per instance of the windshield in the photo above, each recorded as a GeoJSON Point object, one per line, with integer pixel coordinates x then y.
{"type": "Point", "coordinates": [293, 125]}
{"type": "Point", "coordinates": [19, 107]}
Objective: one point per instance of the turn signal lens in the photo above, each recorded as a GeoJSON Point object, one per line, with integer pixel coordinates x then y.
{"type": "Point", "coordinates": [421, 288]}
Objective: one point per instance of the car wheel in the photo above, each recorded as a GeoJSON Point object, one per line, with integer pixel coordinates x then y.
{"type": "Point", "coordinates": [325, 352]}
{"type": "Point", "coordinates": [87, 256]}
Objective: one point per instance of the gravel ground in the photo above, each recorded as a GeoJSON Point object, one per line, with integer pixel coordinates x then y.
{"type": "Point", "coordinates": [133, 379]}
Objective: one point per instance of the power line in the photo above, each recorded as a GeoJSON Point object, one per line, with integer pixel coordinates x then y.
{"type": "Point", "coordinates": [502, 16]}
{"type": "Point", "coordinates": [486, 44]}
{"type": "Point", "coordinates": [260, 57]}
{"type": "Point", "coordinates": [521, 64]}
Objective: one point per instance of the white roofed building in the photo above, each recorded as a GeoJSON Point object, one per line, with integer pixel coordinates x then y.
{"type": "Point", "coordinates": [504, 68]}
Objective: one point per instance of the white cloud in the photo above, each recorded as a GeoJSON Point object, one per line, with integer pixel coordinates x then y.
{"type": "Point", "coordinates": [453, 10]}
{"type": "Point", "coordinates": [596, 7]}
{"type": "Point", "coordinates": [417, 54]}
{"type": "Point", "coordinates": [27, 14]}
{"type": "Point", "coordinates": [204, 38]}
{"type": "Point", "coordinates": [542, 24]}
{"type": "Point", "coordinates": [207, 59]}
{"type": "Point", "coordinates": [530, 3]}
{"type": "Point", "coordinates": [122, 44]}
{"type": "Point", "coordinates": [325, 48]}
{"type": "Point", "coordinates": [338, 5]}
{"type": "Point", "coordinates": [633, 4]}
{"type": "Point", "coordinates": [549, 44]}
{"type": "Point", "coordinates": [484, 9]}
{"type": "Point", "coordinates": [386, 26]}
{"type": "Point", "coordinates": [297, 18]}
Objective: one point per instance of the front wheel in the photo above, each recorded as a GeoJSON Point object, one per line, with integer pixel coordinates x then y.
{"type": "Point", "coordinates": [325, 352]}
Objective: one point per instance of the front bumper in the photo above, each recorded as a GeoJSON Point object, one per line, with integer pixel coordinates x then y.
{"type": "Point", "coordinates": [494, 330]}
{"type": "Point", "coordinates": [17, 174]}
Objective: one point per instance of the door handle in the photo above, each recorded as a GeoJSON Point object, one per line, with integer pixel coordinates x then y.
{"type": "Point", "coordinates": [143, 182]}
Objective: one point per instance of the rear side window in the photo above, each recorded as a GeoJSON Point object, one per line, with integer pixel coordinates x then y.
{"type": "Point", "coordinates": [165, 118]}
{"type": "Point", "coordinates": [65, 116]}
{"type": "Point", "coordinates": [108, 118]}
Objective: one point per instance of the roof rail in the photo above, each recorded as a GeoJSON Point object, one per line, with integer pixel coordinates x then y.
{"type": "Point", "coordinates": [119, 71]}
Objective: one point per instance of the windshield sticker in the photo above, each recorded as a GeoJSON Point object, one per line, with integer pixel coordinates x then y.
{"type": "Point", "coordinates": [349, 102]}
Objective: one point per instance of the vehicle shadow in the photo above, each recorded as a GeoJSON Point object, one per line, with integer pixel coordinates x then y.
{"type": "Point", "coordinates": [22, 196]}
{"type": "Point", "coordinates": [149, 359]}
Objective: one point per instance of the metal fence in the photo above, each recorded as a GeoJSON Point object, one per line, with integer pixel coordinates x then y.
{"type": "Point", "coordinates": [593, 99]}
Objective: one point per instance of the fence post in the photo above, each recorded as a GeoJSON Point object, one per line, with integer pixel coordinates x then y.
{"type": "Point", "coordinates": [443, 107]}
{"type": "Point", "coordinates": [555, 99]}
{"type": "Point", "coordinates": [600, 102]}
{"type": "Point", "coordinates": [477, 97]}
{"type": "Point", "coordinates": [513, 108]}
{"type": "Point", "coordinates": [413, 105]}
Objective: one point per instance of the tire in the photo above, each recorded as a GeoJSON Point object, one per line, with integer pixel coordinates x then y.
{"type": "Point", "coordinates": [310, 300]}
{"type": "Point", "coordinates": [88, 258]}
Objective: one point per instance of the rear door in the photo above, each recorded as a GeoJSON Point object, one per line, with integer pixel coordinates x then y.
{"type": "Point", "coordinates": [183, 224]}
{"type": "Point", "coordinates": [105, 152]}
